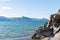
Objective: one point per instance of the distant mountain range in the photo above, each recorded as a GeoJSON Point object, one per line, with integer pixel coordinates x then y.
{"type": "Point", "coordinates": [21, 19]}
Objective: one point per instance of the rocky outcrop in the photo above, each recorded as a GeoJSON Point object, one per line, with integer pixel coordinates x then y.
{"type": "Point", "coordinates": [51, 29]}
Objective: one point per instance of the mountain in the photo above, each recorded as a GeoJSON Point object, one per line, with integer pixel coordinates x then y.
{"type": "Point", "coordinates": [44, 19]}
{"type": "Point", "coordinates": [21, 19]}
{"type": "Point", "coordinates": [3, 18]}
{"type": "Point", "coordinates": [28, 19]}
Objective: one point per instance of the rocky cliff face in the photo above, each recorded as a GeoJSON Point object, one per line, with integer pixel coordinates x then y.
{"type": "Point", "coordinates": [51, 29]}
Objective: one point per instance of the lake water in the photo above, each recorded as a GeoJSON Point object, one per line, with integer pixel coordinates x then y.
{"type": "Point", "coordinates": [18, 30]}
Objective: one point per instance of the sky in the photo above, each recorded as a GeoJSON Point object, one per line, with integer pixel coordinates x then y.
{"type": "Point", "coordinates": [29, 8]}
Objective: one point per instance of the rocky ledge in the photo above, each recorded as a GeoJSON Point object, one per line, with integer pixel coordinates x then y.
{"type": "Point", "coordinates": [51, 29]}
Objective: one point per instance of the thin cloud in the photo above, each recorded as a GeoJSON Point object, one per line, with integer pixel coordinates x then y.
{"type": "Point", "coordinates": [4, 0]}
{"type": "Point", "coordinates": [7, 8]}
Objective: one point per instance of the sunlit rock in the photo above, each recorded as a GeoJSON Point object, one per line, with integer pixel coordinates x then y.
{"type": "Point", "coordinates": [51, 29]}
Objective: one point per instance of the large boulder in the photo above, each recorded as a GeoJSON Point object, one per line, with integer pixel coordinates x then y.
{"type": "Point", "coordinates": [51, 29]}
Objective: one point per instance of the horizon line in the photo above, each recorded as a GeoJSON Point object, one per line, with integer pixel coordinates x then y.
{"type": "Point", "coordinates": [23, 16]}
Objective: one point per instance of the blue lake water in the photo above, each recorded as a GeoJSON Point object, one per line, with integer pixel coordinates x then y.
{"type": "Point", "coordinates": [18, 30]}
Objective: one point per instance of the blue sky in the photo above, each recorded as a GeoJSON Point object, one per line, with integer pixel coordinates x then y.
{"type": "Point", "coordinates": [29, 8]}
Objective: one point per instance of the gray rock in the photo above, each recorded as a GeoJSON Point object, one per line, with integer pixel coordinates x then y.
{"type": "Point", "coordinates": [51, 29]}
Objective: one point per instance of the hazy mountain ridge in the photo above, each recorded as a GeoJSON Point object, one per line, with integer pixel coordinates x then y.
{"type": "Point", "coordinates": [21, 19]}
